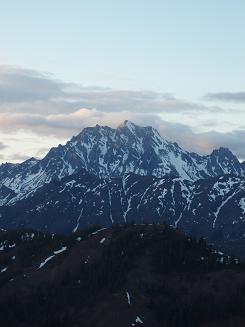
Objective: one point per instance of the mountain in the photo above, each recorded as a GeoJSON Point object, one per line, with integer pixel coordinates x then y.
{"type": "Point", "coordinates": [217, 205]}
{"type": "Point", "coordinates": [134, 275]}
{"type": "Point", "coordinates": [212, 208]}
{"type": "Point", "coordinates": [82, 200]}
{"type": "Point", "coordinates": [107, 152]}
{"type": "Point", "coordinates": [14, 175]}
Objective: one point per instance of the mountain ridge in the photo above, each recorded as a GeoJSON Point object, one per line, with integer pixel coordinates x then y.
{"type": "Point", "coordinates": [108, 152]}
{"type": "Point", "coordinates": [213, 208]}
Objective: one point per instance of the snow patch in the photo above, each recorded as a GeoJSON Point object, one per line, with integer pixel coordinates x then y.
{"type": "Point", "coordinates": [64, 248]}
{"type": "Point", "coordinates": [128, 298]}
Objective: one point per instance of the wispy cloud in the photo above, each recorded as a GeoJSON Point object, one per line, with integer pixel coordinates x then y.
{"type": "Point", "coordinates": [238, 97]}
{"type": "Point", "coordinates": [35, 102]}
{"type": "Point", "coordinates": [67, 125]}
{"type": "Point", "coordinates": [3, 146]}
{"type": "Point", "coordinates": [18, 157]}
{"type": "Point", "coordinates": [23, 90]}
{"type": "Point", "coordinates": [204, 142]}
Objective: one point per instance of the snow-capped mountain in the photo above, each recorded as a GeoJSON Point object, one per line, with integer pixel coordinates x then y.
{"type": "Point", "coordinates": [217, 205]}
{"type": "Point", "coordinates": [243, 166]}
{"type": "Point", "coordinates": [83, 199]}
{"type": "Point", "coordinates": [213, 207]}
{"type": "Point", "coordinates": [108, 152]}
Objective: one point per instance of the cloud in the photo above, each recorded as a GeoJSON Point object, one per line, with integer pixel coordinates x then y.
{"type": "Point", "coordinates": [18, 157]}
{"type": "Point", "coordinates": [238, 97]}
{"type": "Point", "coordinates": [25, 85]}
{"type": "Point", "coordinates": [3, 146]}
{"type": "Point", "coordinates": [67, 125]}
{"type": "Point", "coordinates": [29, 91]}
{"type": "Point", "coordinates": [31, 101]}
{"type": "Point", "coordinates": [204, 143]}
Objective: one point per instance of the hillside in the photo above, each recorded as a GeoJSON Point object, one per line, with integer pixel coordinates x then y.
{"type": "Point", "coordinates": [133, 275]}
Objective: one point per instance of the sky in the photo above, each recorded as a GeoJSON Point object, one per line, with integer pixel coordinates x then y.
{"type": "Point", "coordinates": [177, 65]}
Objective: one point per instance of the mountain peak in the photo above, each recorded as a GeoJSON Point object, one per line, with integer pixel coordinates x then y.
{"type": "Point", "coordinates": [128, 124]}
{"type": "Point", "coordinates": [136, 129]}
{"type": "Point", "coordinates": [31, 159]}
{"type": "Point", "coordinates": [222, 151]}
{"type": "Point", "coordinates": [108, 152]}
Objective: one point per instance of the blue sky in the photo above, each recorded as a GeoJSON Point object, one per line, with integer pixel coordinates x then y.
{"type": "Point", "coordinates": [182, 49]}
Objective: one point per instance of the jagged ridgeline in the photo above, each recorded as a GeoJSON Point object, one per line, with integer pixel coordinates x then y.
{"type": "Point", "coordinates": [106, 176]}
{"type": "Point", "coordinates": [107, 152]}
{"type": "Point", "coordinates": [133, 275]}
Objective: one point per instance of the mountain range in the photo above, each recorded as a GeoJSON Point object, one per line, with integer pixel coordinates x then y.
{"type": "Point", "coordinates": [107, 152]}
{"type": "Point", "coordinates": [212, 208]}
{"type": "Point", "coordinates": [105, 176]}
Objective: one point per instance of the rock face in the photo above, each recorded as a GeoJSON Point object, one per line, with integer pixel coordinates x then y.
{"type": "Point", "coordinates": [107, 152]}
{"type": "Point", "coordinates": [82, 200]}
{"type": "Point", "coordinates": [213, 208]}
{"type": "Point", "coordinates": [217, 209]}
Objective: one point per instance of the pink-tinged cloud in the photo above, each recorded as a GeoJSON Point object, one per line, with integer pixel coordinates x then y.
{"type": "Point", "coordinates": [34, 102]}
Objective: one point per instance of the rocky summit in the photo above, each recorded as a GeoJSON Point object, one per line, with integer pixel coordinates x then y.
{"type": "Point", "coordinates": [107, 152]}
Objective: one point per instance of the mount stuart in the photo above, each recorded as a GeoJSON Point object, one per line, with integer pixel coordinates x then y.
{"type": "Point", "coordinates": [108, 230]}
{"type": "Point", "coordinates": [105, 176]}
{"type": "Point", "coordinates": [107, 152]}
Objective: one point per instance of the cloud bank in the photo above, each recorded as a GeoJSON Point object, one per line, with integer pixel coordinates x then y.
{"type": "Point", "coordinates": [36, 102]}
{"type": "Point", "coordinates": [28, 91]}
